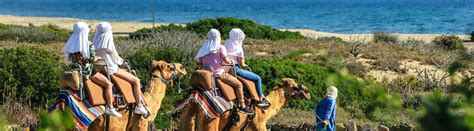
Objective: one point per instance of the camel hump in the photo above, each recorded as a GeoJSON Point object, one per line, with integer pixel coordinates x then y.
{"type": "Point", "coordinates": [202, 79]}
{"type": "Point", "coordinates": [70, 79]}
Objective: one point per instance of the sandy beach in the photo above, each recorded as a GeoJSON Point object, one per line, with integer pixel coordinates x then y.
{"type": "Point", "coordinates": [368, 37]}
{"type": "Point", "coordinates": [67, 23]}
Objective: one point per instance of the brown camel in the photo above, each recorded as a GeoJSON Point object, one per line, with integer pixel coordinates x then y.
{"type": "Point", "coordinates": [153, 96]}
{"type": "Point", "coordinates": [193, 118]}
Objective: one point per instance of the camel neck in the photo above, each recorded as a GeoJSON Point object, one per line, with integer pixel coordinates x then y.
{"type": "Point", "coordinates": [154, 96]}
{"type": "Point", "coordinates": [278, 99]}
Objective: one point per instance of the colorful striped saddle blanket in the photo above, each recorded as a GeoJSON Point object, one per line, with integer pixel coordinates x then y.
{"type": "Point", "coordinates": [212, 104]}
{"type": "Point", "coordinates": [83, 113]}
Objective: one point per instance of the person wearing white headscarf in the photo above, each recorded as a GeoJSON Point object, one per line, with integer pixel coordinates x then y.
{"type": "Point", "coordinates": [212, 44]}
{"type": "Point", "coordinates": [326, 110]}
{"type": "Point", "coordinates": [234, 49]}
{"type": "Point", "coordinates": [78, 42]}
{"type": "Point", "coordinates": [105, 48]}
{"type": "Point", "coordinates": [79, 49]}
{"type": "Point", "coordinates": [211, 56]}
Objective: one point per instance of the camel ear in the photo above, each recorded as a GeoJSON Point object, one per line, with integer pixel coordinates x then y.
{"type": "Point", "coordinates": [287, 82]}
{"type": "Point", "coordinates": [153, 64]}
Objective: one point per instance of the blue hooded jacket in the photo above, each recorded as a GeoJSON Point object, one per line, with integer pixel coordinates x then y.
{"type": "Point", "coordinates": [326, 110]}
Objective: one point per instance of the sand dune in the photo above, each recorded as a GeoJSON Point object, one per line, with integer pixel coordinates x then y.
{"type": "Point", "coordinates": [67, 23]}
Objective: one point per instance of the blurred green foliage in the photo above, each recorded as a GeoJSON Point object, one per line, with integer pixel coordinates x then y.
{"type": "Point", "coordinates": [56, 121]}
{"type": "Point", "coordinates": [451, 111]}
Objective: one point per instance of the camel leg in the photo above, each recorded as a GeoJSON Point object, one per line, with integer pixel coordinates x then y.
{"type": "Point", "coordinates": [98, 124]}
{"type": "Point", "coordinates": [240, 123]}
{"type": "Point", "coordinates": [205, 124]}
{"type": "Point", "coordinates": [137, 123]}
{"type": "Point", "coordinates": [224, 119]}
{"type": "Point", "coordinates": [187, 118]}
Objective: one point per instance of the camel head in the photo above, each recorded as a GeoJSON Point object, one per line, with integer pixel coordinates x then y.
{"type": "Point", "coordinates": [293, 91]}
{"type": "Point", "coordinates": [167, 71]}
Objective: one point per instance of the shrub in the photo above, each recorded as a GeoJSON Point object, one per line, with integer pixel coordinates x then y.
{"type": "Point", "coordinates": [29, 73]}
{"type": "Point", "coordinates": [330, 39]}
{"type": "Point", "coordinates": [384, 37]}
{"type": "Point", "coordinates": [251, 29]}
{"type": "Point", "coordinates": [224, 25]}
{"type": "Point", "coordinates": [271, 72]}
{"type": "Point", "coordinates": [184, 40]}
{"type": "Point", "coordinates": [149, 32]}
{"type": "Point", "coordinates": [449, 42]}
{"type": "Point", "coordinates": [18, 113]}
{"type": "Point", "coordinates": [34, 34]}
{"type": "Point", "coordinates": [472, 36]}
{"type": "Point", "coordinates": [356, 68]}
{"type": "Point", "coordinates": [405, 86]}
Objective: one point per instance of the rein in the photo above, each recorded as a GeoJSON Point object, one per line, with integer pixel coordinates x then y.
{"type": "Point", "coordinates": [167, 81]}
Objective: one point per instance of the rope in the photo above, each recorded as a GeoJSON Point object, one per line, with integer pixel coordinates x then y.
{"type": "Point", "coordinates": [314, 113]}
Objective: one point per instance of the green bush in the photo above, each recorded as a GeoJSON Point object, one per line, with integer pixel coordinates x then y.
{"type": "Point", "coordinates": [449, 42]}
{"type": "Point", "coordinates": [224, 25]}
{"type": "Point", "coordinates": [29, 73]}
{"type": "Point", "coordinates": [148, 32]}
{"type": "Point", "coordinates": [271, 72]}
{"type": "Point", "coordinates": [34, 34]}
{"type": "Point", "coordinates": [250, 28]}
{"type": "Point", "coordinates": [384, 37]}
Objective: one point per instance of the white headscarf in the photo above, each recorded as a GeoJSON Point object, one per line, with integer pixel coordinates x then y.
{"type": "Point", "coordinates": [332, 92]}
{"type": "Point", "coordinates": [104, 39]}
{"type": "Point", "coordinates": [234, 44]}
{"type": "Point", "coordinates": [78, 42]}
{"type": "Point", "coordinates": [211, 45]}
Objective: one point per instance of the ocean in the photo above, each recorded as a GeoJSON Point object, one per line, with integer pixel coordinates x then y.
{"type": "Point", "coordinates": [336, 16]}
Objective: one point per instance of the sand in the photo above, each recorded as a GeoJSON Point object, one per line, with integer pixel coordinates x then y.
{"type": "Point", "coordinates": [368, 37]}
{"type": "Point", "coordinates": [67, 23]}
{"type": "Point", "coordinates": [125, 27]}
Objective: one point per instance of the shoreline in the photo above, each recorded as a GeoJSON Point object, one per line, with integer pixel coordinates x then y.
{"type": "Point", "coordinates": [67, 23]}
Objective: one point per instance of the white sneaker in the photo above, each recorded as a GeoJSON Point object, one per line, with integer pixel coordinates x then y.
{"type": "Point", "coordinates": [113, 112]}
{"type": "Point", "coordinates": [140, 110]}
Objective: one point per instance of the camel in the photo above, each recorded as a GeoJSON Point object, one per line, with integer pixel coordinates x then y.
{"type": "Point", "coordinates": [193, 118]}
{"type": "Point", "coordinates": [156, 89]}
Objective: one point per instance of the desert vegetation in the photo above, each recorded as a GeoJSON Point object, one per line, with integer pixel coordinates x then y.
{"type": "Point", "coordinates": [421, 91]}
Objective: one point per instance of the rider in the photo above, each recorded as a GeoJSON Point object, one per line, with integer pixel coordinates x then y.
{"type": "Point", "coordinates": [236, 53]}
{"type": "Point", "coordinates": [326, 110]}
{"type": "Point", "coordinates": [211, 56]}
{"type": "Point", "coordinates": [104, 43]}
{"type": "Point", "coordinates": [80, 50]}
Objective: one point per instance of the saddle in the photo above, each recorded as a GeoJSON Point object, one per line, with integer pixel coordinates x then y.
{"type": "Point", "coordinates": [96, 92]}
{"type": "Point", "coordinates": [203, 79]}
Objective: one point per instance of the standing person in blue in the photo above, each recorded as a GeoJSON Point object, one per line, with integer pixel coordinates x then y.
{"type": "Point", "coordinates": [235, 52]}
{"type": "Point", "coordinates": [326, 111]}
